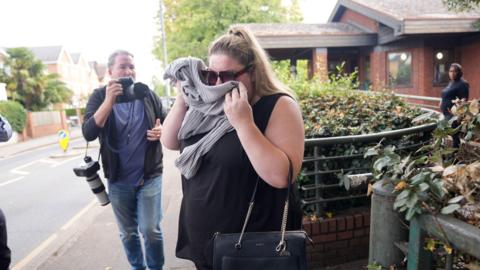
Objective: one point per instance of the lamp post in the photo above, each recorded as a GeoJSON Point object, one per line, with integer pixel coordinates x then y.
{"type": "Point", "coordinates": [164, 44]}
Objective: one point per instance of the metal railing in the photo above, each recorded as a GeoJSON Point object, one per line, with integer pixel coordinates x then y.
{"type": "Point", "coordinates": [436, 100]}
{"type": "Point", "coordinates": [320, 186]}
{"type": "Point", "coordinates": [460, 235]}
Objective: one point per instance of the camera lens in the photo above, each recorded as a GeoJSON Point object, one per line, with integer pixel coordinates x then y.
{"type": "Point", "coordinates": [89, 170]}
{"type": "Point", "coordinates": [98, 189]}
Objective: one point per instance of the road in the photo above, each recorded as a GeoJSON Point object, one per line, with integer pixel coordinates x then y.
{"type": "Point", "coordinates": [41, 196]}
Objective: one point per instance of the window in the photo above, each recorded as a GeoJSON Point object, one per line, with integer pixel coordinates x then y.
{"type": "Point", "coordinates": [442, 58]}
{"type": "Point", "coordinates": [399, 69]}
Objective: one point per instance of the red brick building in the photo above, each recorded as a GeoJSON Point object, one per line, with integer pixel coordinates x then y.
{"type": "Point", "coordinates": [405, 45]}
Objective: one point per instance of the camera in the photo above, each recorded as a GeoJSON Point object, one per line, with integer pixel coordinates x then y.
{"type": "Point", "coordinates": [89, 170]}
{"type": "Point", "coordinates": [131, 90]}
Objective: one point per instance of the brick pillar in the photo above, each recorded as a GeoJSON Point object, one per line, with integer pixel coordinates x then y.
{"type": "Point", "coordinates": [79, 115]}
{"type": "Point", "coordinates": [63, 119]}
{"type": "Point", "coordinates": [29, 126]}
{"type": "Point", "coordinates": [378, 70]}
{"type": "Point", "coordinates": [320, 63]}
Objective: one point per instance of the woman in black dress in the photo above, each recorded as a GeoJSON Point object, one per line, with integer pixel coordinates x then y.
{"type": "Point", "coordinates": [268, 130]}
{"type": "Point", "coordinates": [457, 88]}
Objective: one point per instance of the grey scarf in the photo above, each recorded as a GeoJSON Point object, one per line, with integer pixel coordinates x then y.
{"type": "Point", "coordinates": [205, 113]}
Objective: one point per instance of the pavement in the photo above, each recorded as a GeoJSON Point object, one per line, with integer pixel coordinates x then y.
{"type": "Point", "coordinates": [90, 240]}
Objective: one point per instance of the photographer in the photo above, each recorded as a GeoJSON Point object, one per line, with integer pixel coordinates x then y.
{"type": "Point", "coordinates": [128, 125]}
{"type": "Point", "coordinates": [5, 257]}
{"type": "Point", "coordinates": [5, 130]}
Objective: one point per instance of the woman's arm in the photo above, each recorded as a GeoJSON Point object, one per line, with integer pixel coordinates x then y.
{"type": "Point", "coordinates": [173, 122]}
{"type": "Point", "coordinates": [464, 91]}
{"type": "Point", "coordinates": [283, 137]}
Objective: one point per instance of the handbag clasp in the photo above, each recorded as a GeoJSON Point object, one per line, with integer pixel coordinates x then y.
{"type": "Point", "coordinates": [282, 249]}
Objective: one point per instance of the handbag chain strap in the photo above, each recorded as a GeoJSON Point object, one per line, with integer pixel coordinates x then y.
{"type": "Point", "coordinates": [282, 245]}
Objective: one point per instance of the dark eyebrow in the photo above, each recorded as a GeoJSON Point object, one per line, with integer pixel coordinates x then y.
{"type": "Point", "coordinates": [127, 65]}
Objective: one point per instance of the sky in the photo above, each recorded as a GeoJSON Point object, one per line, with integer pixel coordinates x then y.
{"type": "Point", "coordinates": [96, 28]}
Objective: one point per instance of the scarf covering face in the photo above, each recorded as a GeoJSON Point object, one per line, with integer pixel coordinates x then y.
{"type": "Point", "coordinates": [204, 115]}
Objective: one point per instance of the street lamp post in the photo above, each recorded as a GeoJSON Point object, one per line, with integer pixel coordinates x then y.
{"type": "Point", "coordinates": [164, 44]}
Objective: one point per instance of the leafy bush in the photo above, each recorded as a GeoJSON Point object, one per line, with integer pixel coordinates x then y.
{"type": "Point", "coordinates": [333, 108]}
{"type": "Point", "coordinates": [15, 114]}
{"type": "Point", "coordinates": [71, 112]}
{"type": "Point", "coordinates": [438, 178]}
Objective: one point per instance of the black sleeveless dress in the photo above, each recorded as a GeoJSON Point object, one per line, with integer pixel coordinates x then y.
{"type": "Point", "coordinates": [216, 199]}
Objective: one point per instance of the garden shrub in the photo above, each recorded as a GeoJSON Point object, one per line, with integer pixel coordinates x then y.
{"type": "Point", "coordinates": [15, 114]}
{"type": "Point", "coordinates": [335, 108]}
{"type": "Point", "coordinates": [71, 112]}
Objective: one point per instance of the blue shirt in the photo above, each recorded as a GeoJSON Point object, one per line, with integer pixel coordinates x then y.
{"type": "Point", "coordinates": [131, 129]}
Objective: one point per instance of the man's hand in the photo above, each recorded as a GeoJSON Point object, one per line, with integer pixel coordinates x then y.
{"type": "Point", "coordinates": [155, 133]}
{"type": "Point", "coordinates": [113, 90]}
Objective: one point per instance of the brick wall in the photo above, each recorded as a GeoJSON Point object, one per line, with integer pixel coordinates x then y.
{"type": "Point", "coordinates": [422, 73]}
{"type": "Point", "coordinates": [48, 123]}
{"type": "Point", "coordinates": [350, 16]}
{"type": "Point", "coordinates": [338, 240]}
{"type": "Point", "coordinates": [470, 59]}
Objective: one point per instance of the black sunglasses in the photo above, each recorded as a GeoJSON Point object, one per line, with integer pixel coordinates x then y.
{"type": "Point", "coordinates": [210, 77]}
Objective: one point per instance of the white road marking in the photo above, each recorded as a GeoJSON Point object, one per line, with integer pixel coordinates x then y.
{"type": "Point", "coordinates": [18, 170]}
{"type": "Point", "coordinates": [78, 215]}
{"type": "Point", "coordinates": [44, 245]}
{"type": "Point", "coordinates": [11, 181]}
{"type": "Point", "coordinates": [58, 163]}
{"type": "Point", "coordinates": [21, 264]}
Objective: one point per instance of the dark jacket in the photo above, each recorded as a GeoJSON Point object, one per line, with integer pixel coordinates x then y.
{"type": "Point", "coordinates": [5, 130]}
{"type": "Point", "coordinates": [5, 254]}
{"type": "Point", "coordinates": [455, 89]}
{"type": "Point", "coordinates": [153, 157]}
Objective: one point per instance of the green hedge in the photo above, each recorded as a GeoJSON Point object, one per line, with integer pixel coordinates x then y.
{"type": "Point", "coordinates": [71, 112]}
{"type": "Point", "coordinates": [15, 114]}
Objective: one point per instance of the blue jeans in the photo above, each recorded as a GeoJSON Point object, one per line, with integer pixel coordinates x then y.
{"type": "Point", "coordinates": [140, 208]}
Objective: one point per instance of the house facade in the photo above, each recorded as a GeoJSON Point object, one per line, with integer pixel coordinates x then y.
{"type": "Point", "coordinates": [404, 45]}
{"type": "Point", "coordinates": [73, 68]}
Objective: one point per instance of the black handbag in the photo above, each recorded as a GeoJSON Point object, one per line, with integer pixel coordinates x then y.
{"type": "Point", "coordinates": [278, 250]}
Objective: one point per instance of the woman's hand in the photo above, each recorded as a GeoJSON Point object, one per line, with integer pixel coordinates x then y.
{"type": "Point", "coordinates": [236, 107]}
{"type": "Point", "coordinates": [173, 122]}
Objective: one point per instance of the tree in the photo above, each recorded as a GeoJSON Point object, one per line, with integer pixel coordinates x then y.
{"type": "Point", "coordinates": [56, 91]}
{"type": "Point", "coordinates": [461, 5]}
{"type": "Point", "coordinates": [192, 24]}
{"type": "Point", "coordinates": [28, 83]}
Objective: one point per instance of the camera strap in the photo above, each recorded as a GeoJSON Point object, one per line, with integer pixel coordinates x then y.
{"type": "Point", "coordinates": [128, 128]}
{"type": "Point", "coordinates": [86, 152]}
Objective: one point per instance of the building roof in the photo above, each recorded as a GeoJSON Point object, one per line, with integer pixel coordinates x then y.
{"type": "Point", "coordinates": [273, 36]}
{"type": "Point", "coordinates": [281, 29]}
{"type": "Point", "coordinates": [75, 57]}
{"type": "Point", "coordinates": [47, 54]}
{"type": "Point", "coordinates": [100, 69]}
{"type": "Point", "coordinates": [411, 16]}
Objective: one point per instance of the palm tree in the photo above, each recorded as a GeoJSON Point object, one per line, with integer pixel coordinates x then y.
{"type": "Point", "coordinates": [28, 83]}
